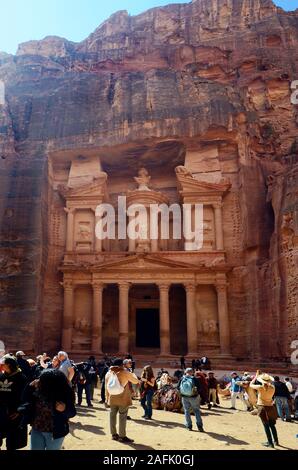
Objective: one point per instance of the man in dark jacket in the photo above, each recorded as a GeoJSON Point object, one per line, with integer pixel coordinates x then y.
{"type": "Point", "coordinates": [189, 387]}
{"type": "Point", "coordinates": [24, 365]}
{"type": "Point", "coordinates": [84, 382]}
{"type": "Point", "coordinates": [12, 385]}
{"type": "Point", "coordinates": [282, 397]}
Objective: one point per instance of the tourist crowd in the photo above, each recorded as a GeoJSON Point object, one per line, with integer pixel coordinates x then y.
{"type": "Point", "coordinates": [44, 393]}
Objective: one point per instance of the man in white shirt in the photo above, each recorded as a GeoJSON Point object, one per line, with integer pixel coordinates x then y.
{"type": "Point", "coordinates": [289, 385]}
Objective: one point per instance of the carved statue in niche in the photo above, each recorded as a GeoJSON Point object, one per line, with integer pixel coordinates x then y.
{"type": "Point", "coordinates": [143, 180]}
{"type": "Point", "coordinates": [182, 170]}
{"type": "Point", "coordinates": [82, 326]}
{"type": "Point", "coordinates": [84, 231]}
{"type": "Point", "coordinates": [209, 327]}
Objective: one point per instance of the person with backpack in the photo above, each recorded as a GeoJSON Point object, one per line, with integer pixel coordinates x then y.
{"type": "Point", "coordinates": [189, 387]}
{"type": "Point", "coordinates": [148, 387]}
{"type": "Point", "coordinates": [118, 397]}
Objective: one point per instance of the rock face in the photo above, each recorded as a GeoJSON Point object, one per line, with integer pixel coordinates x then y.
{"type": "Point", "coordinates": [214, 77]}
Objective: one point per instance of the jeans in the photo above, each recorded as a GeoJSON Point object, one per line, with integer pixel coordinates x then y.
{"type": "Point", "coordinates": [87, 388]}
{"type": "Point", "coordinates": [283, 408]}
{"type": "Point", "coordinates": [146, 403]}
{"type": "Point", "coordinates": [122, 410]}
{"type": "Point", "coordinates": [44, 441]}
{"type": "Point", "coordinates": [194, 404]}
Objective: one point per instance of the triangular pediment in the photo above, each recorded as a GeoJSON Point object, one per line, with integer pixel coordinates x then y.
{"type": "Point", "coordinates": [144, 262]}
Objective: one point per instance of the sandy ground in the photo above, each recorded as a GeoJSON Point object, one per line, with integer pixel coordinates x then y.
{"type": "Point", "coordinates": [225, 430]}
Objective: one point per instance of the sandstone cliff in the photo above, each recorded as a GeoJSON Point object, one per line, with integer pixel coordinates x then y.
{"type": "Point", "coordinates": [213, 74]}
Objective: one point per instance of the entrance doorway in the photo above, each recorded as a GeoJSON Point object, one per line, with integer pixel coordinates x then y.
{"type": "Point", "coordinates": [147, 328]}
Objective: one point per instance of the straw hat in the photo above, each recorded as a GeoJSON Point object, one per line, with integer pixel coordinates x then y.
{"type": "Point", "coordinates": [265, 378]}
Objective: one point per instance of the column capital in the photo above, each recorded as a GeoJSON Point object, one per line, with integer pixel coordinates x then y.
{"type": "Point", "coordinates": [97, 285]}
{"type": "Point", "coordinates": [124, 285]}
{"type": "Point", "coordinates": [221, 288]}
{"type": "Point", "coordinates": [69, 210]}
{"type": "Point", "coordinates": [67, 285]}
{"type": "Point", "coordinates": [190, 287]}
{"type": "Point", "coordinates": [164, 286]}
{"type": "Point", "coordinates": [217, 205]}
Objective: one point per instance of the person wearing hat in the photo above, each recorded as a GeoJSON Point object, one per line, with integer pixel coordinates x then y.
{"type": "Point", "coordinates": [24, 365]}
{"type": "Point", "coordinates": [120, 402]}
{"type": "Point", "coordinates": [266, 408]}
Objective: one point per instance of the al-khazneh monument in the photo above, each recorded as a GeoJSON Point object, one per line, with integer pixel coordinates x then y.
{"type": "Point", "coordinates": [187, 103]}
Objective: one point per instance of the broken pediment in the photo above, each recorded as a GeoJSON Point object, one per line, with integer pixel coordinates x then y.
{"type": "Point", "coordinates": [96, 189]}
{"type": "Point", "coordinates": [186, 183]}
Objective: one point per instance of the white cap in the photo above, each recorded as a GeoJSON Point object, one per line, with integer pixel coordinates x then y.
{"type": "Point", "coordinates": [20, 353]}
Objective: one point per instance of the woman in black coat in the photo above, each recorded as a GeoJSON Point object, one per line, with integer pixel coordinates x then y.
{"type": "Point", "coordinates": [47, 406]}
{"type": "Point", "coordinates": [12, 385]}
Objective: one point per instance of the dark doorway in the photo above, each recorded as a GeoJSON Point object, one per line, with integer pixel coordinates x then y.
{"type": "Point", "coordinates": [147, 328]}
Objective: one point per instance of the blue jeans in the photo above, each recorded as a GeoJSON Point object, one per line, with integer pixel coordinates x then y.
{"type": "Point", "coordinates": [194, 404]}
{"type": "Point", "coordinates": [146, 403]}
{"type": "Point", "coordinates": [283, 408]}
{"type": "Point", "coordinates": [44, 441]}
{"type": "Point", "coordinates": [87, 388]}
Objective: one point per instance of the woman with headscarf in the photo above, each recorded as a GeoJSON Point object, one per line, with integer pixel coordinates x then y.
{"type": "Point", "coordinates": [266, 408]}
{"type": "Point", "coordinates": [47, 406]}
{"type": "Point", "coordinates": [12, 385]}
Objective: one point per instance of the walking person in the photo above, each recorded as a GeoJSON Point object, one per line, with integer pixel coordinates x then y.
{"type": "Point", "coordinates": [148, 387]}
{"type": "Point", "coordinates": [189, 387]}
{"type": "Point", "coordinates": [47, 406]}
{"type": "Point", "coordinates": [282, 397]}
{"type": "Point", "coordinates": [212, 390]}
{"type": "Point", "coordinates": [118, 397]}
{"type": "Point", "coordinates": [93, 376]}
{"type": "Point", "coordinates": [182, 363]}
{"type": "Point", "coordinates": [84, 382]}
{"type": "Point", "coordinates": [12, 385]}
{"type": "Point", "coordinates": [266, 408]}
{"type": "Point", "coordinates": [237, 392]}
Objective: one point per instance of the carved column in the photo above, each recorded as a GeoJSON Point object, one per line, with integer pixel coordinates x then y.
{"type": "Point", "coordinates": [223, 317]}
{"type": "Point", "coordinates": [218, 227]}
{"type": "Point", "coordinates": [70, 229]}
{"type": "Point", "coordinates": [191, 314]}
{"type": "Point", "coordinates": [164, 314]}
{"type": "Point", "coordinates": [67, 315]}
{"type": "Point", "coordinates": [97, 318]}
{"type": "Point", "coordinates": [123, 318]}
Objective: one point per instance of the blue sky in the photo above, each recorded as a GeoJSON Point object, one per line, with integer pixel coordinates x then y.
{"type": "Point", "coordinates": [23, 20]}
